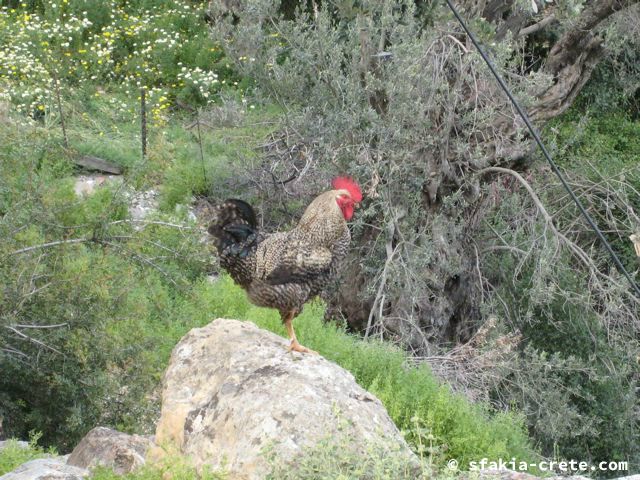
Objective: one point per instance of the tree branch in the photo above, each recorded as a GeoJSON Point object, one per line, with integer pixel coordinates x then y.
{"type": "Point", "coordinates": [536, 27]}
{"type": "Point", "coordinates": [570, 44]}
{"type": "Point", "coordinates": [50, 244]}
{"type": "Point", "coordinates": [32, 340]}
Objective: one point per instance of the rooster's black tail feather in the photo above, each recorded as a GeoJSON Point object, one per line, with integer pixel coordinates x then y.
{"type": "Point", "coordinates": [234, 226]}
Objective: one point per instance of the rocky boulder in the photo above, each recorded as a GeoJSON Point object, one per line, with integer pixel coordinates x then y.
{"type": "Point", "coordinates": [109, 448]}
{"type": "Point", "coordinates": [233, 390]}
{"type": "Point", "coordinates": [54, 468]}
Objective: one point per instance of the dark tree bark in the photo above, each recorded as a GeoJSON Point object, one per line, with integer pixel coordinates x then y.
{"type": "Point", "coordinates": [573, 58]}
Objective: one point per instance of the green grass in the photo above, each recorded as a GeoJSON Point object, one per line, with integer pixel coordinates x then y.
{"type": "Point", "coordinates": [604, 145]}
{"type": "Point", "coordinates": [173, 468]}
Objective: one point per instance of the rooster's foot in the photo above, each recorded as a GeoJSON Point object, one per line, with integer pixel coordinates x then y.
{"type": "Point", "coordinates": [296, 347]}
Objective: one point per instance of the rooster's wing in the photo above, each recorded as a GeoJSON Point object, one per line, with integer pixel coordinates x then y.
{"type": "Point", "coordinates": [301, 263]}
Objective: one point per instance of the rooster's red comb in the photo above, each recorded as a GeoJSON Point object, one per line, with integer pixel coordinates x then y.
{"type": "Point", "coordinates": [348, 184]}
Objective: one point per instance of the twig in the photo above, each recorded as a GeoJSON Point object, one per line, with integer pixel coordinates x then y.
{"type": "Point", "coordinates": [528, 188]}
{"type": "Point", "coordinates": [575, 249]}
{"type": "Point", "coordinates": [14, 351]}
{"type": "Point", "coordinates": [536, 26]}
{"type": "Point", "coordinates": [51, 244]}
{"type": "Point", "coordinates": [391, 252]}
{"type": "Point", "coordinates": [503, 247]}
{"type": "Point", "coordinates": [459, 43]}
{"type": "Point", "coordinates": [154, 222]}
{"type": "Point", "coordinates": [31, 339]}
{"type": "Point", "coordinates": [141, 259]}
{"type": "Point", "coordinates": [58, 325]}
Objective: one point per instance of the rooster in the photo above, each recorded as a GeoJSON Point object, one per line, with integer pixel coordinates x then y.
{"type": "Point", "coordinates": [284, 270]}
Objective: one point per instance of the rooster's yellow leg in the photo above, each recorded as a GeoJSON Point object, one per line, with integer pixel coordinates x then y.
{"type": "Point", "coordinates": [295, 345]}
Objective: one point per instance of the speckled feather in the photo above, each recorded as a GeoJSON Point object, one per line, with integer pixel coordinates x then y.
{"type": "Point", "coordinates": [282, 270]}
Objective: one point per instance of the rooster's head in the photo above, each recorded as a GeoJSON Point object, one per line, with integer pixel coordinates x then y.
{"type": "Point", "coordinates": [348, 195]}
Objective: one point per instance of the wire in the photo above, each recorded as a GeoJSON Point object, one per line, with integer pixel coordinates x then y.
{"type": "Point", "coordinates": [554, 167]}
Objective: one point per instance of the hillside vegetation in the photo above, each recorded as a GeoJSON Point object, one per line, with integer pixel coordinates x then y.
{"type": "Point", "coordinates": [540, 357]}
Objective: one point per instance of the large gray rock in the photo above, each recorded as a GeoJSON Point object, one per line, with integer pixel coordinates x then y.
{"type": "Point", "coordinates": [54, 468]}
{"type": "Point", "coordinates": [105, 447]}
{"type": "Point", "coordinates": [232, 389]}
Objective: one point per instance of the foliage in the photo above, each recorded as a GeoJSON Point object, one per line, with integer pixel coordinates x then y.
{"type": "Point", "coordinates": [333, 458]}
{"type": "Point", "coordinates": [162, 46]}
{"type": "Point", "coordinates": [615, 84]}
{"type": "Point", "coordinates": [577, 370]}
{"type": "Point", "coordinates": [226, 151]}
{"type": "Point", "coordinates": [84, 323]}
{"type": "Point", "coordinates": [173, 467]}
{"type": "Point", "coordinates": [603, 151]}
{"type": "Point", "coordinates": [14, 454]}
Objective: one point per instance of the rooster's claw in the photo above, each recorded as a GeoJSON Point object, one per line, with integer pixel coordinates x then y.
{"type": "Point", "coordinates": [296, 347]}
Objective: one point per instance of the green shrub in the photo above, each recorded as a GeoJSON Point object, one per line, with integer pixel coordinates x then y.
{"type": "Point", "coordinates": [164, 47]}
{"type": "Point", "coordinates": [602, 150]}
{"type": "Point", "coordinates": [107, 285]}
{"type": "Point", "coordinates": [576, 373]}
{"type": "Point", "coordinates": [333, 458]}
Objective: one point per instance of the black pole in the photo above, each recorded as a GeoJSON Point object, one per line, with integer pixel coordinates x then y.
{"type": "Point", "coordinates": [143, 121]}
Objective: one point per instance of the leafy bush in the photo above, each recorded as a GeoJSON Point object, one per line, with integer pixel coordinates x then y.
{"type": "Point", "coordinates": [615, 83]}
{"type": "Point", "coordinates": [83, 323]}
{"type": "Point", "coordinates": [334, 458]}
{"type": "Point", "coordinates": [576, 374]}
{"type": "Point", "coordinates": [601, 153]}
